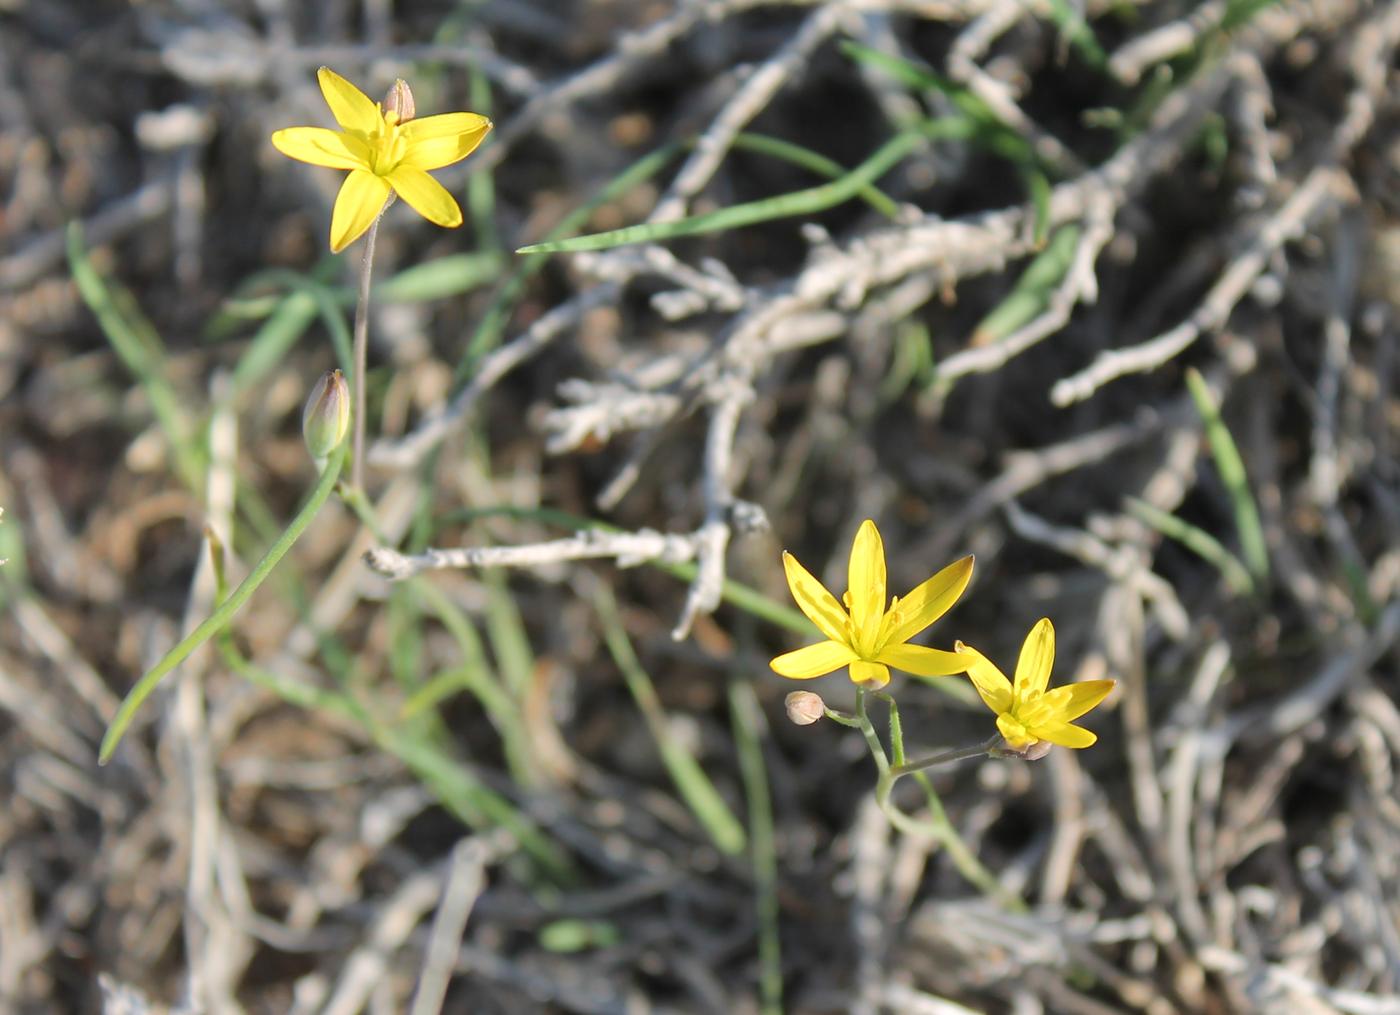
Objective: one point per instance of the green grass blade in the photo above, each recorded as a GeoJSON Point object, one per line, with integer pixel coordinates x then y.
{"type": "Point", "coordinates": [747, 721]}
{"type": "Point", "coordinates": [1038, 184]}
{"type": "Point", "coordinates": [138, 347]}
{"type": "Point", "coordinates": [1231, 468]}
{"type": "Point", "coordinates": [270, 345]}
{"type": "Point", "coordinates": [690, 779]}
{"type": "Point", "coordinates": [494, 320]}
{"type": "Point", "coordinates": [1076, 31]}
{"type": "Point", "coordinates": [800, 202]}
{"type": "Point", "coordinates": [920, 77]}
{"type": "Point", "coordinates": [1030, 296]}
{"type": "Point", "coordinates": [216, 621]}
{"type": "Point", "coordinates": [440, 278]}
{"type": "Point", "coordinates": [814, 162]}
{"type": "Point", "coordinates": [1198, 541]}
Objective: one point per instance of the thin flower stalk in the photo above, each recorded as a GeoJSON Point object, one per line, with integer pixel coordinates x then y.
{"type": "Point", "coordinates": [938, 826]}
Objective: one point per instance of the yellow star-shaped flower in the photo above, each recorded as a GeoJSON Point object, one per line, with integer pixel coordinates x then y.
{"type": "Point", "coordinates": [869, 638]}
{"type": "Point", "coordinates": [383, 150]}
{"type": "Point", "coordinates": [1026, 711]}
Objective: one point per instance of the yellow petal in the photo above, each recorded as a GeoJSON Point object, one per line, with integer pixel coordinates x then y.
{"type": "Point", "coordinates": [866, 586]}
{"type": "Point", "coordinates": [927, 602]}
{"type": "Point", "coordinates": [322, 147]}
{"type": "Point", "coordinates": [921, 661]}
{"type": "Point", "coordinates": [990, 682]}
{"type": "Point", "coordinates": [1037, 659]}
{"type": "Point", "coordinates": [360, 200]}
{"type": "Point", "coordinates": [352, 108]}
{"type": "Point", "coordinates": [812, 661]}
{"type": "Point", "coordinates": [1073, 700]}
{"type": "Point", "coordinates": [872, 675]}
{"type": "Point", "coordinates": [1065, 734]}
{"type": "Point", "coordinates": [815, 601]}
{"type": "Point", "coordinates": [437, 141]}
{"type": "Point", "coordinates": [427, 197]}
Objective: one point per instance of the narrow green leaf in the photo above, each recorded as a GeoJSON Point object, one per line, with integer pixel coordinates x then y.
{"type": "Point", "coordinates": [1070, 21]}
{"type": "Point", "coordinates": [441, 277]}
{"type": "Point", "coordinates": [690, 779]}
{"type": "Point", "coordinates": [1198, 541]}
{"type": "Point", "coordinates": [1232, 473]}
{"type": "Point", "coordinates": [138, 346]}
{"type": "Point", "coordinates": [224, 613]}
{"type": "Point", "coordinates": [746, 719]}
{"type": "Point", "coordinates": [1031, 294]}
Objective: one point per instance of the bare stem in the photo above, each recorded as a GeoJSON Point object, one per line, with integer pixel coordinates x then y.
{"type": "Point", "coordinates": [361, 353]}
{"type": "Point", "coordinates": [944, 757]}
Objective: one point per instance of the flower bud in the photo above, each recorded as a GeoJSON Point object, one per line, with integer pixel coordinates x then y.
{"type": "Point", "coordinates": [804, 707]}
{"type": "Point", "coordinates": [326, 417]}
{"type": "Point", "coordinates": [399, 101]}
{"type": "Point", "coordinates": [1033, 751]}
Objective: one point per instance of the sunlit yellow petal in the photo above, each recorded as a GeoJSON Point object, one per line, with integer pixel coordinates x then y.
{"type": "Point", "coordinates": [814, 600]}
{"type": "Point", "coordinates": [927, 602]}
{"type": "Point", "coordinates": [871, 675]}
{"type": "Point", "coordinates": [812, 661]}
{"type": "Point", "coordinates": [866, 586]}
{"type": "Point", "coordinates": [990, 682]}
{"type": "Point", "coordinates": [1037, 659]}
{"type": "Point", "coordinates": [437, 141]}
{"type": "Point", "coordinates": [1073, 700]}
{"type": "Point", "coordinates": [361, 198]}
{"type": "Point", "coordinates": [427, 197]}
{"type": "Point", "coordinates": [322, 147]}
{"type": "Point", "coordinates": [1065, 734]}
{"type": "Point", "coordinates": [352, 108]}
{"type": "Point", "coordinates": [921, 661]}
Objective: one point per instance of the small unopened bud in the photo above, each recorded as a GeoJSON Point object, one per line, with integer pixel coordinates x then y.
{"type": "Point", "coordinates": [804, 707]}
{"type": "Point", "coordinates": [326, 417]}
{"type": "Point", "coordinates": [1033, 751]}
{"type": "Point", "coordinates": [399, 101]}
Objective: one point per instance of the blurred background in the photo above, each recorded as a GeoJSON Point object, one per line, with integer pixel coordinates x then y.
{"type": "Point", "coordinates": [1104, 293]}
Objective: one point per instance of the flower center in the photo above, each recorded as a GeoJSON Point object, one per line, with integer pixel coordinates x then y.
{"type": "Point", "coordinates": [386, 146]}
{"type": "Point", "coordinates": [1033, 709]}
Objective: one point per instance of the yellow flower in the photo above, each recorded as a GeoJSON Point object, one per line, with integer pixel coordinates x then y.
{"type": "Point", "coordinates": [869, 638]}
{"type": "Point", "coordinates": [381, 153]}
{"type": "Point", "coordinates": [1026, 711]}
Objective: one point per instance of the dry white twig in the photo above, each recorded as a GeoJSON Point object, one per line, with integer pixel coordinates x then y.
{"type": "Point", "coordinates": [1321, 189]}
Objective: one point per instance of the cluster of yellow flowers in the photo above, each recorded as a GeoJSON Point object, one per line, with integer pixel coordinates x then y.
{"type": "Point", "coordinates": [387, 151]}
{"type": "Point", "coordinates": [869, 638]}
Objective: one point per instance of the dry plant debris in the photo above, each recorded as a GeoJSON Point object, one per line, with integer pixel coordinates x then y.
{"type": "Point", "coordinates": [1104, 293]}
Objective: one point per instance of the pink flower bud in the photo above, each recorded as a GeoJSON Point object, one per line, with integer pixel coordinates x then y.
{"type": "Point", "coordinates": [399, 101]}
{"type": "Point", "coordinates": [804, 707]}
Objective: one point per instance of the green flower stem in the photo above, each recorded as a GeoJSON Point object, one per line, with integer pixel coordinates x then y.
{"type": "Point", "coordinates": [361, 351]}
{"type": "Point", "coordinates": [221, 616]}
{"type": "Point", "coordinates": [945, 757]}
{"type": "Point", "coordinates": [937, 827]}
{"type": "Point", "coordinates": [844, 718]}
{"type": "Point", "coordinates": [872, 739]}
